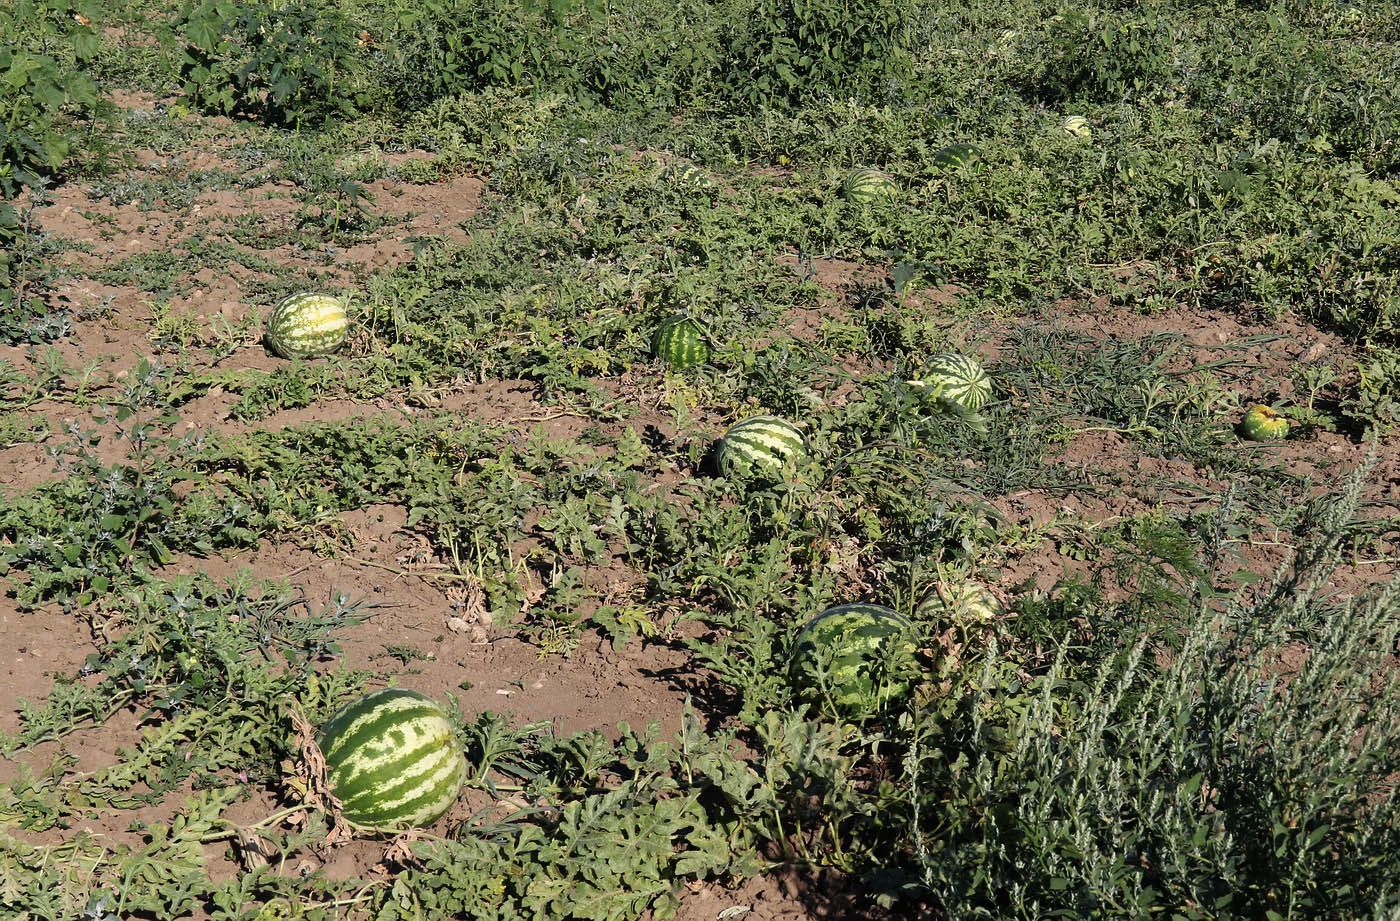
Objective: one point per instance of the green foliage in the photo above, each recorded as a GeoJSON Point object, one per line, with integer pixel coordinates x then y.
{"type": "Point", "coordinates": [1105, 57]}
{"type": "Point", "coordinates": [43, 89]}
{"type": "Point", "coordinates": [287, 63]}
{"type": "Point", "coordinates": [1229, 782]}
{"type": "Point", "coordinates": [794, 52]}
{"type": "Point", "coordinates": [41, 44]}
{"type": "Point", "coordinates": [630, 56]}
{"type": "Point", "coordinates": [135, 519]}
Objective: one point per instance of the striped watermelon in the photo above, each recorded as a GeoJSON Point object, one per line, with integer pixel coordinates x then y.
{"type": "Point", "coordinates": [963, 604]}
{"type": "Point", "coordinates": [680, 342]}
{"type": "Point", "coordinates": [1076, 126]}
{"type": "Point", "coordinates": [392, 759]}
{"type": "Point", "coordinates": [957, 379]}
{"type": "Point", "coordinates": [305, 325]}
{"type": "Point", "coordinates": [956, 155]}
{"type": "Point", "coordinates": [761, 448]}
{"type": "Point", "coordinates": [854, 657]}
{"type": "Point", "coordinates": [866, 185]}
{"type": "Point", "coordinates": [686, 176]}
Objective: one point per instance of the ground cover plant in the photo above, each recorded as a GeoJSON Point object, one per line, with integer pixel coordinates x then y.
{"type": "Point", "coordinates": [742, 459]}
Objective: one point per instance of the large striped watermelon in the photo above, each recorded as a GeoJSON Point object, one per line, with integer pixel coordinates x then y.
{"type": "Point", "coordinates": [392, 759]}
{"type": "Point", "coordinates": [761, 448]}
{"type": "Point", "coordinates": [962, 604]}
{"type": "Point", "coordinates": [957, 379]}
{"type": "Point", "coordinates": [305, 325]}
{"type": "Point", "coordinates": [680, 342]}
{"type": "Point", "coordinates": [866, 185]}
{"type": "Point", "coordinates": [856, 658]}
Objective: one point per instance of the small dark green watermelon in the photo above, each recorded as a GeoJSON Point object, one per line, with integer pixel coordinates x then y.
{"type": "Point", "coordinates": [680, 342]}
{"type": "Point", "coordinates": [956, 155]}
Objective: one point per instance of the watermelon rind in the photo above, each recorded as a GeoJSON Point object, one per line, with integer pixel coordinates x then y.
{"type": "Point", "coordinates": [957, 379]}
{"type": "Point", "coordinates": [761, 448]}
{"type": "Point", "coordinates": [867, 185]}
{"type": "Point", "coordinates": [854, 658]}
{"type": "Point", "coordinates": [392, 759]}
{"type": "Point", "coordinates": [963, 604]}
{"type": "Point", "coordinates": [680, 341]}
{"type": "Point", "coordinates": [307, 325]}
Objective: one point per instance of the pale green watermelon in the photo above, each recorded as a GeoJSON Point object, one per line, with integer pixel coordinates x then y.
{"type": "Point", "coordinates": [686, 176]}
{"type": "Point", "coordinates": [962, 604]}
{"type": "Point", "coordinates": [392, 759]}
{"type": "Point", "coordinates": [1263, 423]}
{"type": "Point", "coordinates": [854, 658]}
{"type": "Point", "coordinates": [306, 325]}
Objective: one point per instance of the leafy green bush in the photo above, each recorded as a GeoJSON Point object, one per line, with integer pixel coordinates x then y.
{"type": "Point", "coordinates": [630, 56]}
{"type": "Point", "coordinates": [288, 64]}
{"type": "Point", "coordinates": [1224, 779]}
{"type": "Point", "coordinates": [42, 42]}
{"type": "Point", "coordinates": [1102, 57]}
{"type": "Point", "coordinates": [792, 52]}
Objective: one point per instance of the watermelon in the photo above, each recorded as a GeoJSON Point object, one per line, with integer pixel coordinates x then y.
{"type": "Point", "coordinates": [963, 604]}
{"type": "Point", "coordinates": [686, 176]}
{"type": "Point", "coordinates": [761, 448]}
{"type": "Point", "coordinates": [957, 379]}
{"type": "Point", "coordinates": [392, 759]}
{"type": "Point", "coordinates": [1076, 126]}
{"type": "Point", "coordinates": [680, 342]}
{"type": "Point", "coordinates": [956, 155]}
{"type": "Point", "coordinates": [856, 658]}
{"type": "Point", "coordinates": [1263, 423]}
{"type": "Point", "coordinates": [866, 185]}
{"type": "Point", "coordinates": [306, 325]}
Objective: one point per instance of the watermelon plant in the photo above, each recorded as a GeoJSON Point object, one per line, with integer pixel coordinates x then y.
{"type": "Point", "coordinates": [1263, 423]}
{"type": "Point", "coordinates": [392, 759]}
{"type": "Point", "coordinates": [307, 325]}
{"type": "Point", "coordinates": [680, 341]}
{"type": "Point", "coordinates": [853, 658]}
{"type": "Point", "coordinates": [761, 448]}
